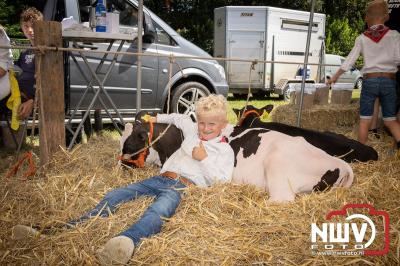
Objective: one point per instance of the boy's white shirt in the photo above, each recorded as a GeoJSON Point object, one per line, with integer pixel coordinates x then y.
{"type": "Point", "coordinates": [5, 63]}
{"type": "Point", "coordinates": [383, 56]}
{"type": "Point", "coordinates": [218, 166]}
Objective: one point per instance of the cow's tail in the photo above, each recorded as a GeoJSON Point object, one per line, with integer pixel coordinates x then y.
{"type": "Point", "coordinates": [346, 175]}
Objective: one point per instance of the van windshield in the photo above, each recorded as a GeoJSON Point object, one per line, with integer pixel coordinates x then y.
{"type": "Point", "coordinates": [127, 13]}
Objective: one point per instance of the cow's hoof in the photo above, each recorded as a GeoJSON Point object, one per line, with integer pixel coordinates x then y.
{"type": "Point", "coordinates": [117, 250]}
{"type": "Point", "coordinates": [20, 232]}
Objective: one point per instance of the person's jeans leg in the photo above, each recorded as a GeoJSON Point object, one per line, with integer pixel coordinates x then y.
{"type": "Point", "coordinates": [117, 196]}
{"type": "Point", "coordinates": [150, 223]}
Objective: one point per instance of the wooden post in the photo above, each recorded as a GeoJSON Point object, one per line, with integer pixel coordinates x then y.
{"type": "Point", "coordinates": [50, 85]}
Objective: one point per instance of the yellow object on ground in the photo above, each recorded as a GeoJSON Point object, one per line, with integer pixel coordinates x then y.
{"type": "Point", "coordinates": [14, 101]}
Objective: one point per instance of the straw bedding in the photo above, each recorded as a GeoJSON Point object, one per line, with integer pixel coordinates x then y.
{"type": "Point", "coordinates": [319, 117]}
{"type": "Point", "coordinates": [226, 224]}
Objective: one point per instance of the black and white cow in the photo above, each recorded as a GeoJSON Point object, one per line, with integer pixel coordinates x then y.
{"type": "Point", "coordinates": [277, 163]}
{"type": "Point", "coordinates": [332, 143]}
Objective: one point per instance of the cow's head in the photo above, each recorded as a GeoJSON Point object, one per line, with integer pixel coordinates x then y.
{"type": "Point", "coordinates": [250, 112]}
{"type": "Point", "coordinates": [135, 143]}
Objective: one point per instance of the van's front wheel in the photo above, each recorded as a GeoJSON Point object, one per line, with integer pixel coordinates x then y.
{"type": "Point", "coordinates": [185, 95]}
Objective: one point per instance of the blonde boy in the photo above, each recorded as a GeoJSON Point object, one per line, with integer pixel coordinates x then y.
{"type": "Point", "coordinates": [203, 159]}
{"type": "Point", "coordinates": [380, 48]}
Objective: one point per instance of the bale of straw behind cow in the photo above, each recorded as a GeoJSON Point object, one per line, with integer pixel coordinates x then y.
{"type": "Point", "coordinates": [319, 117]}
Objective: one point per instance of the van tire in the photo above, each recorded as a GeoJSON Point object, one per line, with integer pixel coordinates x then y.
{"type": "Point", "coordinates": [185, 95]}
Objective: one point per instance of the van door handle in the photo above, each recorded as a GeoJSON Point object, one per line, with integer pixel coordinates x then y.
{"type": "Point", "coordinates": [86, 45]}
{"type": "Point", "coordinates": [164, 70]}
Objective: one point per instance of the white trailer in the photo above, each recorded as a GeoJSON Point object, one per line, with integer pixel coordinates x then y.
{"type": "Point", "coordinates": [266, 33]}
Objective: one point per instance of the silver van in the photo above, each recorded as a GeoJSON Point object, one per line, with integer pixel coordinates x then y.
{"type": "Point", "coordinates": [353, 76]}
{"type": "Point", "coordinates": [191, 78]}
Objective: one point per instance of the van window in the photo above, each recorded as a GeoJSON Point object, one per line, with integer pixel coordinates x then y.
{"type": "Point", "coordinates": [128, 15]}
{"type": "Point", "coordinates": [163, 37]}
{"type": "Point", "coordinates": [289, 24]}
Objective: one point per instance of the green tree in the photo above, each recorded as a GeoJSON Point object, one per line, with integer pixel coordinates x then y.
{"type": "Point", "coordinates": [340, 36]}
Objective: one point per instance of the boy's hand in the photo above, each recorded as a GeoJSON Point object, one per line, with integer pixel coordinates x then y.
{"type": "Point", "coordinates": [149, 118]}
{"type": "Point", "coordinates": [199, 153]}
{"type": "Point", "coordinates": [25, 109]}
{"type": "Point", "coordinates": [331, 80]}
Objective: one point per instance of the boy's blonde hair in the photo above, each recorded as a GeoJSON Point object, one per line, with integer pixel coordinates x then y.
{"type": "Point", "coordinates": [377, 9]}
{"type": "Point", "coordinates": [213, 104]}
{"type": "Point", "coordinates": [31, 15]}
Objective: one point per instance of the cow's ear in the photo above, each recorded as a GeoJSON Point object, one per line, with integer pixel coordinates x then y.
{"type": "Point", "coordinates": [138, 117]}
{"type": "Point", "coordinates": [236, 111]}
{"type": "Point", "coordinates": [268, 108]}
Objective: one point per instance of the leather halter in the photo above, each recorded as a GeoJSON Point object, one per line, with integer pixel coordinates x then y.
{"type": "Point", "coordinates": [245, 114]}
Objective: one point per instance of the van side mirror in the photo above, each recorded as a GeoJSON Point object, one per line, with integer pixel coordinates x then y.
{"type": "Point", "coordinates": [149, 35]}
{"type": "Point", "coordinates": [353, 68]}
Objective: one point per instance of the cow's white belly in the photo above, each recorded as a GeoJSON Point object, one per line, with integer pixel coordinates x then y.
{"type": "Point", "coordinates": [285, 165]}
{"type": "Point", "coordinates": [250, 170]}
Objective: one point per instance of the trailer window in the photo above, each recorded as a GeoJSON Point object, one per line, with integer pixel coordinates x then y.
{"type": "Point", "coordinates": [298, 25]}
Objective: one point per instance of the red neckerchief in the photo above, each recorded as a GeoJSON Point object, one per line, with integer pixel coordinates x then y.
{"type": "Point", "coordinates": [376, 33]}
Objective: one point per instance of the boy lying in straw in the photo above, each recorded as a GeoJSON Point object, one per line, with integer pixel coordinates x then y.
{"type": "Point", "coordinates": [203, 159]}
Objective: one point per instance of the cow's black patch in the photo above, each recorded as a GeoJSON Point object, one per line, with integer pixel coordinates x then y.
{"type": "Point", "coordinates": [334, 144]}
{"type": "Point", "coordinates": [327, 180]}
{"type": "Point", "coordinates": [250, 142]}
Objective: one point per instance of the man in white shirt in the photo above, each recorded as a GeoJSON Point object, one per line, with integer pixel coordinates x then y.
{"type": "Point", "coordinates": [380, 47]}
{"type": "Point", "coordinates": [203, 159]}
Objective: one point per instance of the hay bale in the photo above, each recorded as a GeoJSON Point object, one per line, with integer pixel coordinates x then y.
{"type": "Point", "coordinates": [341, 93]}
{"type": "Point", "coordinates": [308, 99]}
{"type": "Point", "coordinates": [319, 117]}
{"type": "Point", "coordinates": [321, 94]}
{"type": "Point", "coordinates": [226, 224]}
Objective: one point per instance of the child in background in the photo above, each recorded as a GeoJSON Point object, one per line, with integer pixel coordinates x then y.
{"type": "Point", "coordinates": [380, 47]}
{"type": "Point", "coordinates": [26, 62]}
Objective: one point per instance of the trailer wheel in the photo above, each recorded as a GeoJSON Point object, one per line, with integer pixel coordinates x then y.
{"type": "Point", "coordinates": [184, 97]}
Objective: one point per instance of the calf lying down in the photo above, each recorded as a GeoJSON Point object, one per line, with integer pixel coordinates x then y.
{"type": "Point", "coordinates": [277, 163]}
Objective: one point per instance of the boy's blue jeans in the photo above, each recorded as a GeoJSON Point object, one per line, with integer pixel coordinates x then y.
{"type": "Point", "coordinates": [167, 199]}
{"type": "Point", "coordinates": [382, 88]}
